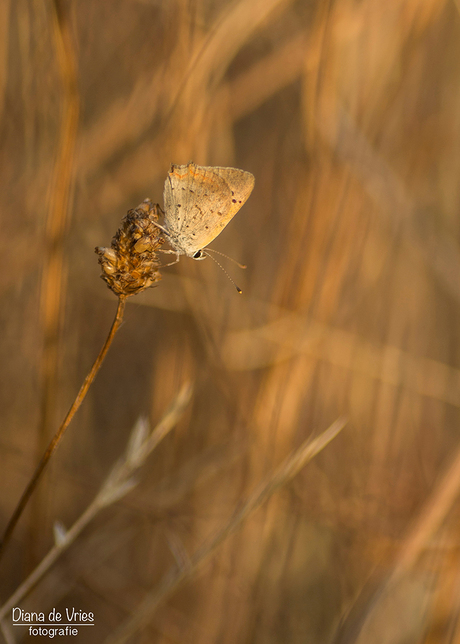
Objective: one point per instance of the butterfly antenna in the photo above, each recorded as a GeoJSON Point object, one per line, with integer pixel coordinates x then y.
{"type": "Point", "coordinates": [205, 252]}
{"type": "Point", "coordinates": [211, 250]}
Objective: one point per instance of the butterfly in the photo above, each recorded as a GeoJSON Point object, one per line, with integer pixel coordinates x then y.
{"type": "Point", "coordinates": [199, 202]}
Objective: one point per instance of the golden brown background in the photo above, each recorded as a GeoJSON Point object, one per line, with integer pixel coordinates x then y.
{"type": "Point", "coordinates": [348, 114]}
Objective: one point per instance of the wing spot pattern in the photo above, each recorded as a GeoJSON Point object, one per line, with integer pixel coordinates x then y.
{"type": "Point", "coordinates": [208, 189]}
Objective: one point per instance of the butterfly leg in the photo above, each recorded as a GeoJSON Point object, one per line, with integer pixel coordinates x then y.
{"type": "Point", "coordinates": [170, 252]}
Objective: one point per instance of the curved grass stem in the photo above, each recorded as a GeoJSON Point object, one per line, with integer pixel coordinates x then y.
{"type": "Point", "coordinates": [65, 423]}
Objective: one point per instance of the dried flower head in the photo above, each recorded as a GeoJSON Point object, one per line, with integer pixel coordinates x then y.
{"type": "Point", "coordinates": [130, 265]}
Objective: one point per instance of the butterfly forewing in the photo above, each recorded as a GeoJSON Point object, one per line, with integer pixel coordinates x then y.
{"type": "Point", "coordinates": [240, 183]}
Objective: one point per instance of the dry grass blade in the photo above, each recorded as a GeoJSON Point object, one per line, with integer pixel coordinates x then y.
{"type": "Point", "coordinates": [279, 69]}
{"type": "Point", "coordinates": [439, 250]}
{"type": "Point", "coordinates": [61, 191]}
{"type": "Point", "coordinates": [401, 587]}
{"type": "Point", "coordinates": [292, 335]}
{"type": "Point", "coordinates": [54, 281]}
{"type": "Point", "coordinates": [435, 511]}
{"type": "Point", "coordinates": [285, 473]}
{"type": "Point", "coordinates": [230, 31]}
{"type": "Point", "coordinates": [118, 483]}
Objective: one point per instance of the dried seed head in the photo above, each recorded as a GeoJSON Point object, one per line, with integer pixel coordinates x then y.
{"type": "Point", "coordinates": [131, 264]}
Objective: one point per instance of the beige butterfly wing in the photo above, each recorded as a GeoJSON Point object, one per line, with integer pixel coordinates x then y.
{"type": "Point", "coordinates": [200, 201]}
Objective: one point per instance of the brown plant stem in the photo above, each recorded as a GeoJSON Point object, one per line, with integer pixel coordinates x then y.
{"type": "Point", "coordinates": [65, 423]}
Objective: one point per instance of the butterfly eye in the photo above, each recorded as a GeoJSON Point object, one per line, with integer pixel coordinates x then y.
{"type": "Point", "coordinates": [198, 255]}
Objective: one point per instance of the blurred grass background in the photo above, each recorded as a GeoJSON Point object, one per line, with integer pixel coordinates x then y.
{"type": "Point", "coordinates": [348, 114]}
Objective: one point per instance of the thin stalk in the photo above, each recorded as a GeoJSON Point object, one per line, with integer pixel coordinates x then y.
{"type": "Point", "coordinates": [65, 423]}
{"type": "Point", "coordinates": [54, 280]}
{"type": "Point", "coordinates": [177, 575]}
